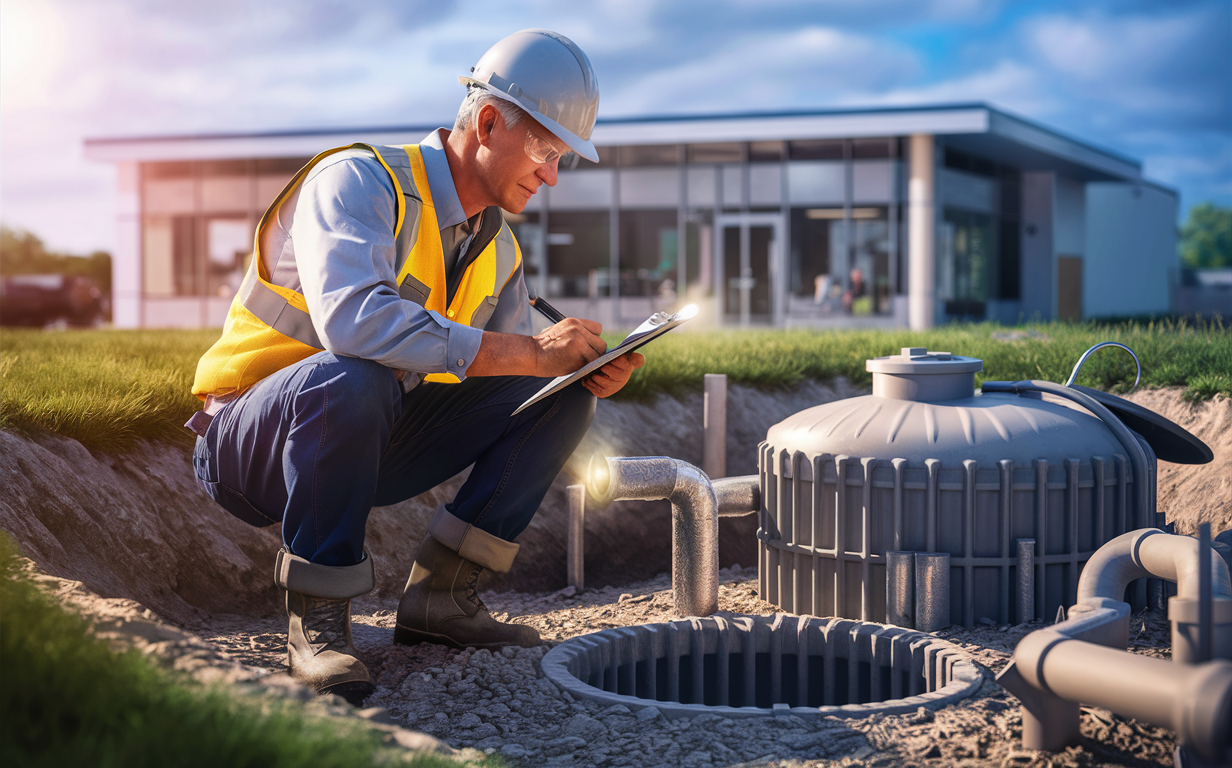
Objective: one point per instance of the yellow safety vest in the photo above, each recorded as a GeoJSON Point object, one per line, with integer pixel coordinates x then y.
{"type": "Point", "coordinates": [268, 326]}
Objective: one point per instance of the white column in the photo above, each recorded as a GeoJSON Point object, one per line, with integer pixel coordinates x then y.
{"type": "Point", "coordinates": [922, 233]}
{"type": "Point", "coordinates": [126, 287]}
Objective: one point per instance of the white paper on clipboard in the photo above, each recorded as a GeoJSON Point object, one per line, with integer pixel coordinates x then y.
{"type": "Point", "coordinates": [655, 326]}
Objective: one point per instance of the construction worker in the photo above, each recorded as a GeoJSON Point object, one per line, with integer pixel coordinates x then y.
{"type": "Point", "coordinates": [378, 346]}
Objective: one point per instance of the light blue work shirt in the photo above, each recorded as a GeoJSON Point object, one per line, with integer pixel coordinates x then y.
{"type": "Point", "coordinates": [333, 241]}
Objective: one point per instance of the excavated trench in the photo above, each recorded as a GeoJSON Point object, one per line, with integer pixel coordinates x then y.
{"type": "Point", "coordinates": [136, 527]}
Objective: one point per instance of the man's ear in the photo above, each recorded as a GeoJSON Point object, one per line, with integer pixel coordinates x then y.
{"type": "Point", "coordinates": [486, 122]}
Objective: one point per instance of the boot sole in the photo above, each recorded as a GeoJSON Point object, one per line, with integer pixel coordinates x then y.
{"type": "Point", "coordinates": [407, 636]}
{"type": "Point", "coordinates": [354, 692]}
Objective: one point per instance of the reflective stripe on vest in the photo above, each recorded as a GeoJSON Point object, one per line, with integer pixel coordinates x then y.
{"type": "Point", "coordinates": [268, 326]}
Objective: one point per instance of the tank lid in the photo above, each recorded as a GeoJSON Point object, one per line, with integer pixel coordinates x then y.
{"type": "Point", "coordinates": [918, 360]}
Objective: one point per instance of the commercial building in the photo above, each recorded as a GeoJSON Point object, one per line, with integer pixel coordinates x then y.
{"type": "Point", "coordinates": [881, 217]}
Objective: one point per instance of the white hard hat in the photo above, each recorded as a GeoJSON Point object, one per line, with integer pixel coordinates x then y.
{"type": "Point", "coordinates": [547, 75]}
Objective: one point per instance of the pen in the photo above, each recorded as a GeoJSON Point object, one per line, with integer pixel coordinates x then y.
{"type": "Point", "coordinates": [546, 309]}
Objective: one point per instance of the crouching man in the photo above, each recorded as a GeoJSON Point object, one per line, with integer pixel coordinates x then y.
{"type": "Point", "coordinates": [378, 346]}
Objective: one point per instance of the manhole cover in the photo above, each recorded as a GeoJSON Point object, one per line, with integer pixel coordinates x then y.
{"type": "Point", "coordinates": [756, 666]}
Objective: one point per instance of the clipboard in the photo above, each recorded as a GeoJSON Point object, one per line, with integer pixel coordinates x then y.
{"type": "Point", "coordinates": [655, 326]}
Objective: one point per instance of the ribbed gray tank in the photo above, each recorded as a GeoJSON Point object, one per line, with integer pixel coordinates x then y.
{"type": "Point", "coordinates": [925, 465]}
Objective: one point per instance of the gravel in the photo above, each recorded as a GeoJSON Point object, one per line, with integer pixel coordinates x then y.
{"type": "Point", "coordinates": [481, 702]}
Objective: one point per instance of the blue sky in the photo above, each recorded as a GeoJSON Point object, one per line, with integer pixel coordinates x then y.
{"type": "Point", "coordinates": [1152, 80]}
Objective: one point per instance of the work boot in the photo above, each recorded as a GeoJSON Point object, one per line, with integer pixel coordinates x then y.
{"type": "Point", "coordinates": [441, 604]}
{"type": "Point", "coordinates": [320, 649]}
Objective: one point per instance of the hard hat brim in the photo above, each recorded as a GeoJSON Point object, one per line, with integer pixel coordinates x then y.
{"type": "Point", "coordinates": [583, 147]}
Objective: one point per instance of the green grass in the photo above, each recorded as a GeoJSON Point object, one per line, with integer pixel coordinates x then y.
{"type": "Point", "coordinates": [1173, 355]}
{"type": "Point", "coordinates": [108, 389]}
{"type": "Point", "coordinates": [67, 699]}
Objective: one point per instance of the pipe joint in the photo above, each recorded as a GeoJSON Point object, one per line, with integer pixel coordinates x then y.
{"type": "Point", "coordinates": [695, 518]}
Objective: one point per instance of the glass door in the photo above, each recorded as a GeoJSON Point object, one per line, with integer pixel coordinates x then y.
{"type": "Point", "coordinates": [748, 265]}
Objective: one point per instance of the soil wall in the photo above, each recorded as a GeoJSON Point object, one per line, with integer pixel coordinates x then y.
{"type": "Point", "coordinates": [137, 526]}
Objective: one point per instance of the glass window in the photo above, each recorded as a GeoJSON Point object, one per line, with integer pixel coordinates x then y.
{"type": "Point", "coordinates": [185, 266]}
{"type": "Point", "coordinates": [228, 248]}
{"type": "Point", "coordinates": [815, 236]}
{"type": "Point", "coordinates": [869, 278]}
{"type": "Point", "coordinates": [648, 251]}
{"type": "Point", "coordinates": [966, 263]}
{"type": "Point", "coordinates": [578, 253]}
{"type": "Point", "coordinates": [528, 230]}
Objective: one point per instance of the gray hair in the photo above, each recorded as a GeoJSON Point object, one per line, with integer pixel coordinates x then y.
{"type": "Point", "coordinates": [475, 99]}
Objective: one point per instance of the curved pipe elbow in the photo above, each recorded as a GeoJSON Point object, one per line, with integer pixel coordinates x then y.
{"type": "Point", "coordinates": [695, 519]}
{"type": "Point", "coordinates": [1149, 552]}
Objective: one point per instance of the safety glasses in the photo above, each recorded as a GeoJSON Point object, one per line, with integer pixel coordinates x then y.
{"type": "Point", "coordinates": [540, 151]}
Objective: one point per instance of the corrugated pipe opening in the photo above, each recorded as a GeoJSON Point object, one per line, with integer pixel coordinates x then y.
{"type": "Point", "coordinates": [754, 666]}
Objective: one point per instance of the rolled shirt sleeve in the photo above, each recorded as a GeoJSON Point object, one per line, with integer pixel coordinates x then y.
{"type": "Point", "coordinates": [343, 235]}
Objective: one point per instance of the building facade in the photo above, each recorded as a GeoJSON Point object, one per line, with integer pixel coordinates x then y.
{"type": "Point", "coordinates": [885, 218]}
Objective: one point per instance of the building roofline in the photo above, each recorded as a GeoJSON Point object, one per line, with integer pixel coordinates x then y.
{"type": "Point", "coordinates": [971, 117]}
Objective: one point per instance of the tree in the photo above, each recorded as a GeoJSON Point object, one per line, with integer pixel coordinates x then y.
{"type": "Point", "coordinates": [1206, 238]}
{"type": "Point", "coordinates": [23, 253]}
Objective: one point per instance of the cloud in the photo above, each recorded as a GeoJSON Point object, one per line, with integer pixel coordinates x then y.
{"type": "Point", "coordinates": [1150, 79]}
{"type": "Point", "coordinates": [813, 66]}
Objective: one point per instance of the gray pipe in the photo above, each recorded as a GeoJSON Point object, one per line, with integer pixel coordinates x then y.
{"type": "Point", "coordinates": [1195, 701]}
{"type": "Point", "coordinates": [696, 507]}
{"type": "Point", "coordinates": [738, 496]}
{"type": "Point", "coordinates": [1083, 658]}
{"type": "Point", "coordinates": [1151, 552]}
{"type": "Point", "coordinates": [1122, 433]}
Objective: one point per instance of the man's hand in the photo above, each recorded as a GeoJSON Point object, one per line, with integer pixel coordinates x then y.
{"type": "Point", "coordinates": [558, 351]}
{"type": "Point", "coordinates": [567, 346]}
{"type": "Point", "coordinates": [608, 380]}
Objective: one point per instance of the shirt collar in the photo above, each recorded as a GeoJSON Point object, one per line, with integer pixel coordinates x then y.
{"type": "Point", "coordinates": [440, 181]}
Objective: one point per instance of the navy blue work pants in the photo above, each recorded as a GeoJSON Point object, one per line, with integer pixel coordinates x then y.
{"type": "Point", "coordinates": [316, 445]}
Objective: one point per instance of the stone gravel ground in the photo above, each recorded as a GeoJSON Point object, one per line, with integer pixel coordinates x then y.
{"type": "Point", "coordinates": [500, 702]}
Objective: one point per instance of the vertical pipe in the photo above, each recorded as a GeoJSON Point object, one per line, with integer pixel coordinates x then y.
{"type": "Point", "coordinates": [921, 233]}
{"type": "Point", "coordinates": [900, 588]}
{"type": "Point", "coordinates": [714, 425]}
{"type": "Point", "coordinates": [576, 542]}
{"type": "Point", "coordinates": [932, 591]}
{"type": "Point", "coordinates": [1026, 580]}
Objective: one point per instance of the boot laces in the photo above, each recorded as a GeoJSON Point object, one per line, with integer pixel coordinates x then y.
{"type": "Point", "coordinates": [471, 587]}
{"type": "Point", "coordinates": [325, 623]}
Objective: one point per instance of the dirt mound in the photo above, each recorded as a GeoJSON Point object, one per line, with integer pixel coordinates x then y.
{"type": "Point", "coordinates": [137, 526]}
